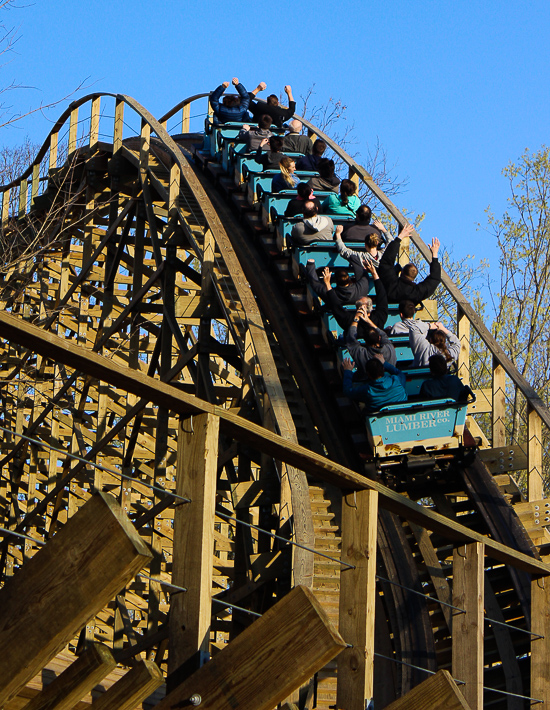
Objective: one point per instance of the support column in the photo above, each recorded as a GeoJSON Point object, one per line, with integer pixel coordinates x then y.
{"type": "Point", "coordinates": [467, 633]}
{"type": "Point", "coordinates": [190, 611]}
{"type": "Point", "coordinates": [534, 455]}
{"type": "Point", "coordinates": [357, 599]}
{"type": "Point", "coordinates": [463, 334]}
{"type": "Point", "coordinates": [540, 647]}
{"type": "Point", "coordinates": [499, 404]}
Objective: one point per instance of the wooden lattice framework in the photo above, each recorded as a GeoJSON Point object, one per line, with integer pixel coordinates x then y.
{"type": "Point", "coordinates": [135, 284]}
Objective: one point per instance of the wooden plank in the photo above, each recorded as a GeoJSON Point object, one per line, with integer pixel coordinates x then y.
{"type": "Point", "coordinates": [499, 404]}
{"type": "Point", "coordinates": [73, 130]}
{"type": "Point", "coordinates": [5, 207]}
{"type": "Point", "coordinates": [483, 404]}
{"type": "Point", "coordinates": [54, 137]}
{"type": "Point", "coordinates": [433, 567]}
{"type": "Point", "coordinates": [463, 334]}
{"type": "Point", "coordinates": [132, 689]}
{"type": "Point", "coordinates": [185, 118]}
{"type": "Point", "coordinates": [56, 592]}
{"type": "Point", "coordinates": [35, 182]}
{"type": "Point", "coordinates": [534, 455]}
{"type": "Point", "coordinates": [61, 350]}
{"type": "Point", "coordinates": [250, 494]}
{"type": "Point", "coordinates": [23, 193]}
{"type": "Point", "coordinates": [191, 612]}
{"type": "Point", "coordinates": [76, 681]}
{"type": "Point", "coordinates": [428, 311]}
{"type": "Point", "coordinates": [144, 146]}
{"type": "Point", "coordinates": [437, 692]}
{"type": "Point", "coordinates": [502, 459]}
{"type": "Point", "coordinates": [94, 121]}
{"type": "Point", "coordinates": [267, 661]}
{"type": "Point", "coordinates": [357, 599]}
{"type": "Point", "coordinates": [540, 647]}
{"type": "Point", "coordinates": [119, 126]}
{"type": "Point", "coordinates": [467, 639]}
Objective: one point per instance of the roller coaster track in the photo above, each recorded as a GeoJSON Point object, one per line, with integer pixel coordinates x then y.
{"type": "Point", "coordinates": [139, 258]}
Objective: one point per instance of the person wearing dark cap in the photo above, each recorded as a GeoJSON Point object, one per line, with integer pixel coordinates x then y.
{"type": "Point", "coordinates": [373, 251]}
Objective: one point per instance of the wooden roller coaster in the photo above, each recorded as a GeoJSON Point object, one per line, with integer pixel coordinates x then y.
{"type": "Point", "coordinates": [188, 515]}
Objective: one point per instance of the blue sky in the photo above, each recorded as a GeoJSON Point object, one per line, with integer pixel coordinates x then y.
{"type": "Point", "coordinates": [453, 91]}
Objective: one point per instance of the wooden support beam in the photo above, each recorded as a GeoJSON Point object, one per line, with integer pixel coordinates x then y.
{"type": "Point", "coordinates": [438, 691]}
{"type": "Point", "coordinates": [534, 455]}
{"type": "Point", "coordinates": [357, 599]}
{"type": "Point", "coordinates": [94, 121]}
{"type": "Point", "coordinates": [144, 146]}
{"type": "Point", "coordinates": [73, 130]}
{"type": "Point", "coordinates": [354, 177]}
{"type": "Point", "coordinates": [463, 334]}
{"type": "Point", "coordinates": [35, 184]}
{"type": "Point", "coordinates": [267, 661]}
{"type": "Point", "coordinates": [132, 689]}
{"type": "Point", "coordinates": [467, 639]}
{"type": "Point", "coordinates": [118, 129]}
{"type": "Point", "coordinates": [540, 647]}
{"type": "Point", "coordinates": [499, 404]}
{"type": "Point", "coordinates": [23, 194]}
{"type": "Point", "coordinates": [503, 459]}
{"type": "Point", "coordinates": [5, 207]}
{"type": "Point", "coordinates": [191, 611]}
{"type": "Point", "coordinates": [56, 592]}
{"type": "Point", "coordinates": [54, 137]}
{"type": "Point", "coordinates": [63, 351]}
{"type": "Point", "coordinates": [76, 681]}
{"type": "Point", "coordinates": [185, 118]}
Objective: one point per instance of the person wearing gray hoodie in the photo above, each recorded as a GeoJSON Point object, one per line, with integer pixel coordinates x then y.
{"type": "Point", "coordinates": [438, 341]}
{"type": "Point", "coordinates": [313, 228]}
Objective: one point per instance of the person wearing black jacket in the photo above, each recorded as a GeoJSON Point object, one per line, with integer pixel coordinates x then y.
{"type": "Point", "coordinates": [347, 290]}
{"type": "Point", "coordinates": [271, 107]}
{"type": "Point", "coordinates": [402, 286]}
{"type": "Point", "coordinates": [345, 318]}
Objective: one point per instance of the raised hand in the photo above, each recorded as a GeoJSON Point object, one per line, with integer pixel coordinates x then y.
{"type": "Point", "coordinates": [234, 81]}
{"type": "Point", "coordinates": [347, 364]}
{"type": "Point", "coordinates": [369, 266]}
{"type": "Point", "coordinates": [408, 229]}
{"type": "Point", "coordinates": [225, 84]}
{"type": "Point", "coordinates": [434, 247]}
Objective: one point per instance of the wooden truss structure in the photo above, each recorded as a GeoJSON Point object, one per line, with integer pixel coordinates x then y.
{"type": "Point", "coordinates": [139, 365]}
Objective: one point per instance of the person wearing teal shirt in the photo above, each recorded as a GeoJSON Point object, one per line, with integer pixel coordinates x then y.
{"type": "Point", "coordinates": [346, 203]}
